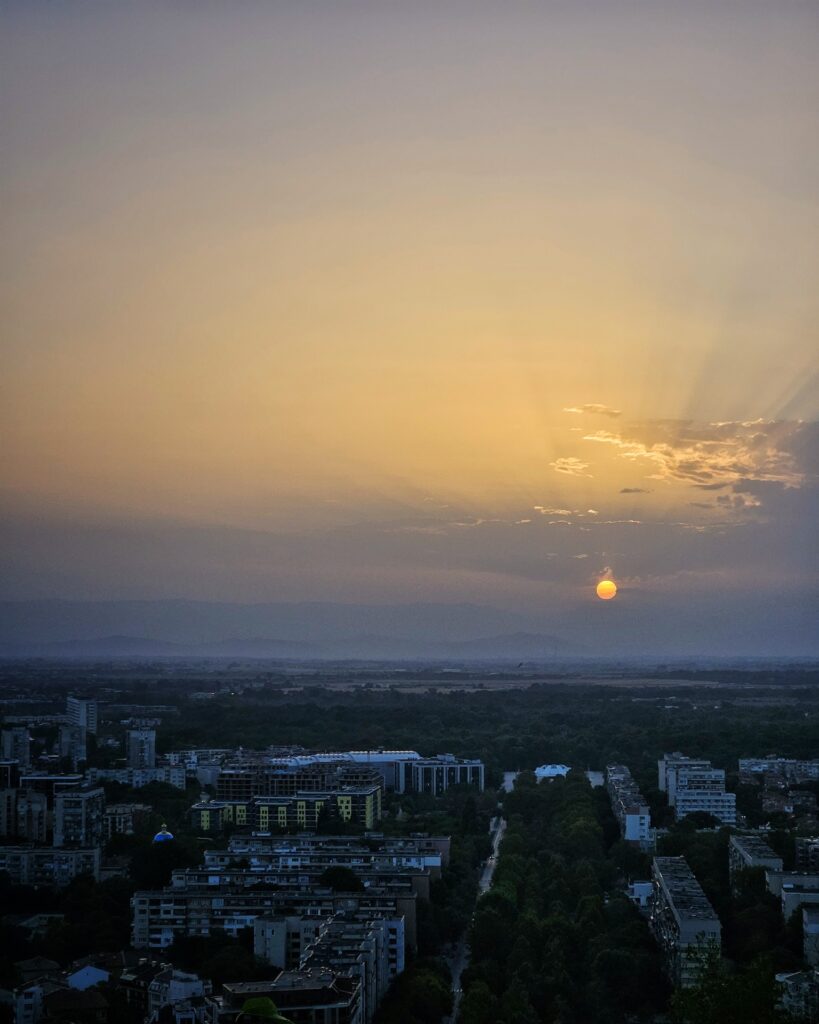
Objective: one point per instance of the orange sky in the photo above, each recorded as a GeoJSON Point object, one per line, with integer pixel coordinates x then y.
{"type": "Point", "coordinates": [298, 268]}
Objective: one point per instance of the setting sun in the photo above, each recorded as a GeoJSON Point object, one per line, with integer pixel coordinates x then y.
{"type": "Point", "coordinates": [606, 590]}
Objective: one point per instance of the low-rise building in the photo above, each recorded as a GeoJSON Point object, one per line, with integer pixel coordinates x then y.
{"type": "Point", "coordinates": [551, 771]}
{"type": "Point", "coordinates": [681, 919]}
{"type": "Point", "coordinates": [304, 997]}
{"type": "Point", "coordinates": [800, 995]}
{"type": "Point", "coordinates": [170, 986]}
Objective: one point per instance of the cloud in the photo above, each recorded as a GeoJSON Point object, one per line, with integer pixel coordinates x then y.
{"type": "Point", "coordinates": [711, 456]}
{"type": "Point", "coordinates": [635, 490]}
{"type": "Point", "coordinates": [570, 466]}
{"type": "Point", "coordinates": [594, 409]}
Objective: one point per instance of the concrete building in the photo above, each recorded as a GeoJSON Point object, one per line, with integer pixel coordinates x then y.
{"type": "Point", "coordinates": [776, 880]}
{"type": "Point", "coordinates": [301, 811]}
{"type": "Point", "coordinates": [355, 947]}
{"type": "Point", "coordinates": [72, 743]}
{"type": "Point", "coordinates": [750, 851]}
{"type": "Point", "coordinates": [667, 768]}
{"type": "Point", "coordinates": [807, 853]}
{"type": "Point", "coordinates": [282, 939]}
{"type": "Point", "coordinates": [170, 987]}
{"type": "Point", "coordinates": [692, 785]}
{"type": "Point", "coordinates": [310, 774]}
{"type": "Point", "coordinates": [800, 995]}
{"type": "Point", "coordinates": [434, 775]}
{"type": "Point", "coordinates": [24, 814]}
{"type": "Point", "coordinates": [810, 933]}
{"type": "Point", "coordinates": [639, 893]}
{"type": "Point", "coordinates": [79, 817]}
{"type": "Point", "coordinates": [124, 819]}
{"type": "Point", "coordinates": [681, 918]}
{"type": "Point", "coordinates": [629, 806]}
{"type": "Point", "coordinates": [303, 997]}
{"type": "Point", "coordinates": [15, 745]}
{"type": "Point", "coordinates": [722, 806]}
{"type": "Point", "coordinates": [373, 850]}
{"type": "Point", "coordinates": [788, 769]}
{"type": "Point", "coordinates": [9, 774]}
{"type": "Point", "coordinates": [796, 895]}
{"type": "Point", "coordinates": [160, 916]}
{"type": "Point", "coordinates": [47, 866]}
{"type": "Point", "coordinates": [83, 713]}
{"type": "Point", "coordinates": [136, 778]}
{"type": "Point", "coordinates": [141, 748]}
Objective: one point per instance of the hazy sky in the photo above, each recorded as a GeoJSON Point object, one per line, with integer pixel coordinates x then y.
{"type": "Point", "coordinates": [410, 301]}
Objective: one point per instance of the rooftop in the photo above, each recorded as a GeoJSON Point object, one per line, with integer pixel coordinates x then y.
{"type": "Point", "coordinates": [684, 891]}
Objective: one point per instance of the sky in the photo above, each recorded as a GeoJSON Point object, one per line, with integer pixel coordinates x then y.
{"type": "Point", "coordinates": [413, 302]}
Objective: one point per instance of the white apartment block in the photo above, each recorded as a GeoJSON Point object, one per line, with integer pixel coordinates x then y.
{"type": "Point", "coordinates": [629, 806]}
{"type": "Point", "coordinates": [83, 713]}
{"type": "Point", "coordinates": [693, 784]}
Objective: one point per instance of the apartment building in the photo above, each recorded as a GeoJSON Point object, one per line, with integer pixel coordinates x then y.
{"type": "Point", "coordinates": [722, 806]}
{"type": "Point", "coordinates": [15, 745]}
{"type": "Point", "coordinates": [173, 775]}
{"type": "Point", "coordinates": [693, 784]}
{"type": "Point", "coordinates": [788, 769]}
{"type": "Point", "coordinates": [667, 768]}
{"type": "Point", "coordinates": [140, 748]}
{"type": "Point", "coordinates": [79, 817]}
{"type": "Point", "coordinates": [302, 775]}
{"type": "Point", "coordinates": [300, 811]}
{"type": "Point", "coordinates": [24, 814]}
{"type": "Point", "coordinates": [681, 918]}
{"type": "Point", "coordinates": [46, 866]}
{"type": "Point", "coordinates": [430, 853]}
{"type": "Point", "coordinates": [355, 947]}
{"type": "Point", "coordinates": [83, 713]}
{"type": "Point", "coordinates": [629, 806]}
{"type": "Point", "coordinates": [72, 743]}
{"type": "Point", "coordinates": [159, 916]}
{"type": "Point", "coordinates": [303, 997]}
{"type": "Point", "coordinates": [124, 819]}
{"type": "Point", "coordinates": [750, 851]}
{"type": "Point", "coordinates": [807, 853]}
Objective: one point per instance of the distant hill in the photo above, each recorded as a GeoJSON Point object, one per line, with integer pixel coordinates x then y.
{"type": "Point", "coordinates": [511, 647]}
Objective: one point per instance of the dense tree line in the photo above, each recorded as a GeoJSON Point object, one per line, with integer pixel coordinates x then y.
{"type": "Point", "coordinates": [554, 939]}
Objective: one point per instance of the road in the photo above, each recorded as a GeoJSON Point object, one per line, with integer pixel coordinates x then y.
{"type": "Point", "coordinates": [459, 959]}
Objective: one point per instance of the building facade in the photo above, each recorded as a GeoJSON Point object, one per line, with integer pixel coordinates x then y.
{"type": "Point", "coordinates": [681, 919]}
{"type": "Point", "coordinates": [83, 713]}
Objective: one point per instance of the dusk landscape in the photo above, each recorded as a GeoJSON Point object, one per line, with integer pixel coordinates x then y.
{"type": "Point", "coordinates": [408, 515]}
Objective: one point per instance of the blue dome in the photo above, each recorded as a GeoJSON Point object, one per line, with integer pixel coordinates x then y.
{"type": "Point", "coordinates": [163, 835]}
